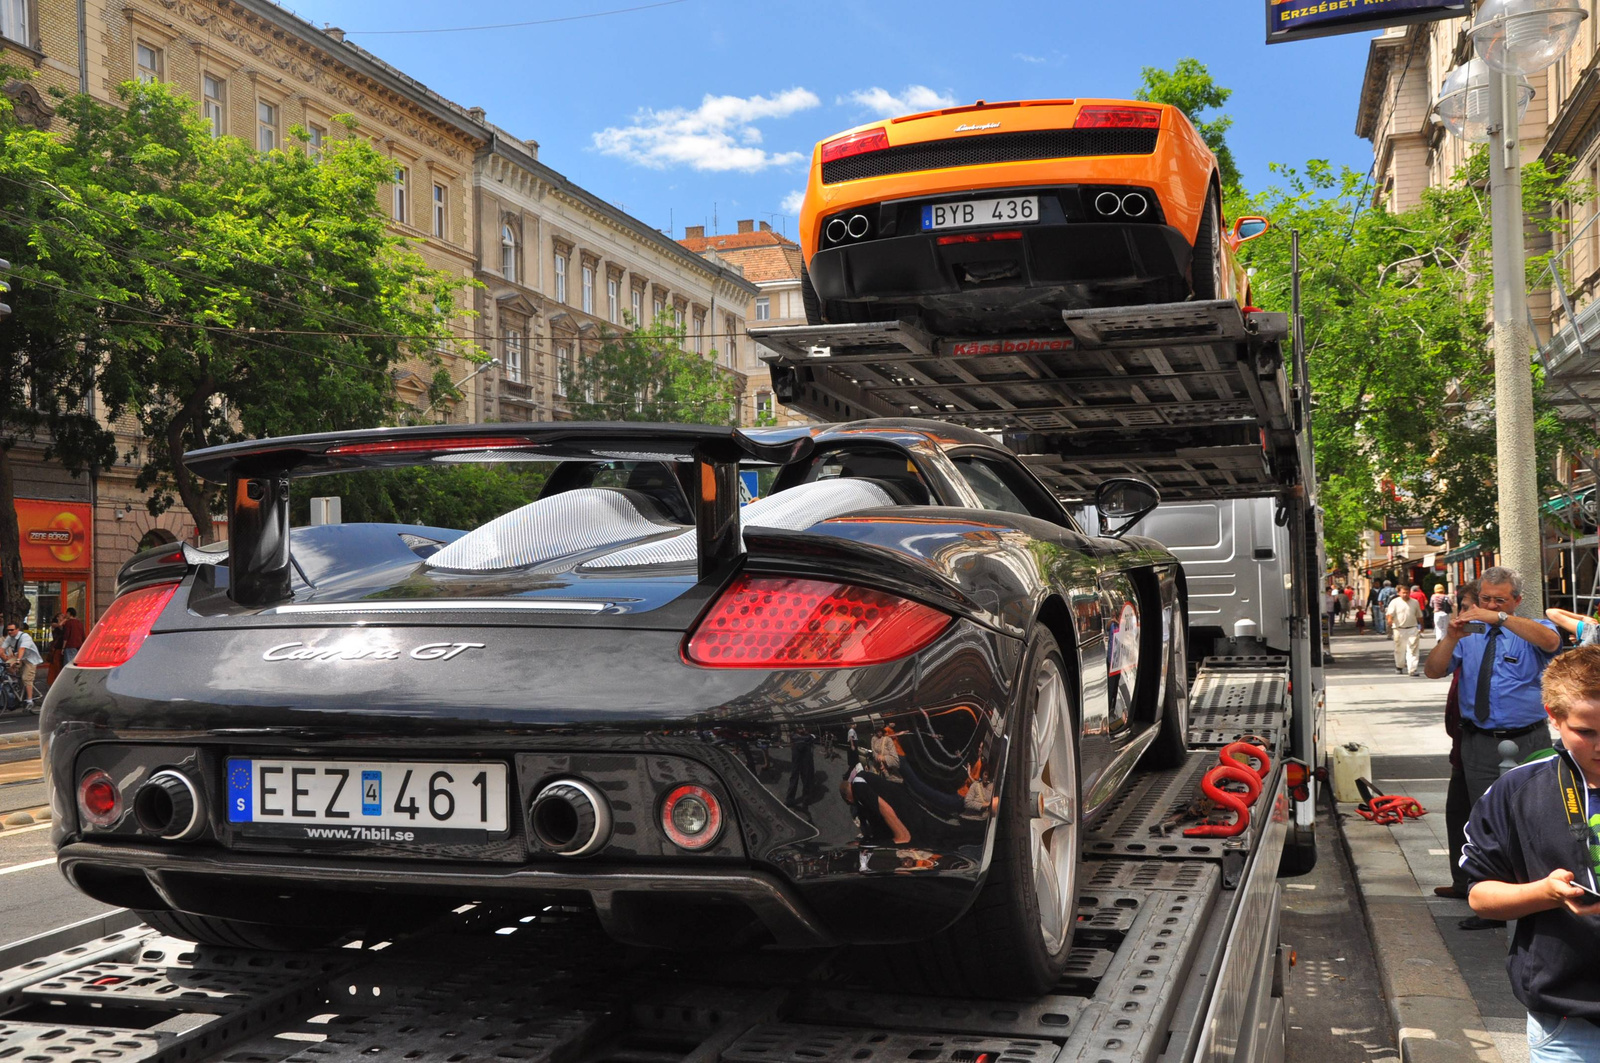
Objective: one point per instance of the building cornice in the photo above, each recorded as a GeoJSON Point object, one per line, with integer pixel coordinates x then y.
{"type": "Point", "coordinates": [1573, 126]}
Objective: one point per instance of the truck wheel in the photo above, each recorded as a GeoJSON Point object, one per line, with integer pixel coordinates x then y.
{"type": "Point", "coordinates": [1015, 939]}
{"type": "Point", "coordinates": [809, 297]}
{"type": "Point", "coordinates": [234, 934]}
{"type": "Point", "coordinates": [1299, 856]}
{"type": "Point", "coordinates": [1206, 264]}
{"type": "Point", "coordinates": [1171, 747]}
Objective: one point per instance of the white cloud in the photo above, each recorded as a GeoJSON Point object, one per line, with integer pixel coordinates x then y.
{"type": "Point", "coordinates": [791, 203]}
{"type": "Point", "coordinates": [886, 104]}
{"type": "Point", "coordinates": [719, 135]}
{"type": "Point", "coordinates": [1026, 58]}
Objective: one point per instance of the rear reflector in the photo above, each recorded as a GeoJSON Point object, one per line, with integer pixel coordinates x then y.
{"type": "Point", "coordinates": [979, 238]}
{"type": "Point", "coordinates": [691, 816]}
{"type": "Point", "coordinates": [1118, 118]}
{"type": "Point", "coordinates": [99, 799]}
{"type": "Point", "coordinates": [122, 630]}
{"type": "Point", "coordinates": [854, 144]}
{"type": "Point", "coordinates": [775, 622]}
{"type": "Point", "coordinates": [411, 446]}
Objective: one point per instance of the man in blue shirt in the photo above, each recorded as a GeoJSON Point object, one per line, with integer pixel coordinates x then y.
{"type": "Point", "coordinates": [1501, 658]}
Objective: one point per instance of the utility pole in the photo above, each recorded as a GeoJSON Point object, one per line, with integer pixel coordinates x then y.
{"type": "Point", "coordinates": [1516, 462]}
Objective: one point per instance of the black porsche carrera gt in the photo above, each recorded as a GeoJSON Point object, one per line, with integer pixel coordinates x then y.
{"type": "Point", "coordinates": [874, 705]}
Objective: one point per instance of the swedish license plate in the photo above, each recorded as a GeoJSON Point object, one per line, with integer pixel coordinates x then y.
{"type": "Point", "coordinates": [971, 213]}
{"type": "Point", "coordinates": [356, 801]}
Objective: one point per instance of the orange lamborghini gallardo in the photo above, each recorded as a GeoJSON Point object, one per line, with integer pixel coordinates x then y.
{"type": "Point", "coordinates": [972, 217]}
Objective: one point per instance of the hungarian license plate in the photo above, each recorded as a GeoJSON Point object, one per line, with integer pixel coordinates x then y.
{"type": "Point", "coordinates": [363, 801]}
{"type": "Point", "coordinates": [971, 213]}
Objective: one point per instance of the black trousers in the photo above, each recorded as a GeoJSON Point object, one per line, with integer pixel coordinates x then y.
{"type": "Point", "coordinates": [1457, 810]}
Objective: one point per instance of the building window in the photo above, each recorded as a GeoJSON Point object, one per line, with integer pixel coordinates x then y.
{"type": "Point", "coordinates": [563, 368]}
{"type": "Point", "coordinates": [402, 193]}
{"type": "Point", "coordinates": [561, 278]}
{"type": "Point", "coordinates": [588, 289]}
{"type": "Point", "coordinates": [266, 125]}
{"type": "Point", "coordinates": [147, 63]}
{"type": "Point", "coordinates": [700, 333]}
{"type": "Point", "coordinates": [438, 211]}
{"type": "Point", "coordinates": [611, 300]}
{"type": "Point", "coordinates": [764, 309]}
{"type": "Point", "coordinates": [656, 308]}
{"type": "Point", "coordinates": [508, 253]}
{"type": "Point", "coordinates": [513, 352]}
{"type": "Point", "coordinates": [677, 318]}
{"type": "Point", "coordinates": [14, 21]}
{"type": "Point", "coordinates": [215, 104]}
{"type": "Point", "coordinates": [764, 404]}
{"type": "Point", "coordinates": [316, 136]}
{"type": "Point", "coordinates": [638, 307]}
{"type": "Point", "coordinates": [733, 341]}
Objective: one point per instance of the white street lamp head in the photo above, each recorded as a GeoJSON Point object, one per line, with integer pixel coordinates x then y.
{"type": "Point", "coordinates": [1525, 36]}
{"type": "Point", "coordinates": [1465, 100]}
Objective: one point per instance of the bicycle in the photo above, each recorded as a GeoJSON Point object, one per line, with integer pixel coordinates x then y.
{"type": "Point", "coordinates": [13, 695]}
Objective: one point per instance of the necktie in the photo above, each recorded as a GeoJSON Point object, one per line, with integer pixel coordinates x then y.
{"type": "Point", "coordinates": [1480, 697]}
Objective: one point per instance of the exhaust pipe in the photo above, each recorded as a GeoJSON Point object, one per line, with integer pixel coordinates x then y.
{"type": "Point", "coordinates": [570, 817]}
{"type": "Point", "coordinates": [168, 806]}
{"type": "Point", "coordinates": [837, 231]}
{"type": "Point", "coordinates": [1108, 203]}
{"type": "Point", "coordinates": [1134, 204]}
{"type": "Point", "coordinates": [857, 231]}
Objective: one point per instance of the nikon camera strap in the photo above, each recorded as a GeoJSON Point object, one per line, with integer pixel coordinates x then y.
{"type": "Point", "coordinates": [1575, 803]}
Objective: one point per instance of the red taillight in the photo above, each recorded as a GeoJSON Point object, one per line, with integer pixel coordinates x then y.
{"type": "Point", "coordinates": [99, 799]}
{"type": "Point", "coordinates": [854, 144]}
{"type": "Point", "coordinates": [1295, 774]}
{"type": "Point", "coordinates": [774, 622]}
{"type": "Point", "coordinates": [1118, 118]}
{"type": "Point", "coordinates": [979, 238]}
{"type": "Point", "coordinates": [413, 445]}
{"type": "Point", "coordinates": [691, 816]}
{"type": "Point", "coordinates": [121, 632]}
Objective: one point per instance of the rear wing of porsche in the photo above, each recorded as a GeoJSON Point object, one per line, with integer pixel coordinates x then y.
{"type": "Point", "coordinates": [257, 475]}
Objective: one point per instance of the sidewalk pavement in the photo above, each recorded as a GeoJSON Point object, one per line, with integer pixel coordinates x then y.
{"type": "Point", "coordinates": [1447, 988]}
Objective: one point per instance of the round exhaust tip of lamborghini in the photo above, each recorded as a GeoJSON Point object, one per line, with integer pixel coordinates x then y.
{"type": "Point", "coordinates": [857, 226]}
{"type": "Point", "coordinates": [1108, 203]}
{"type": "Point", "coordinates": [1134, 204]}
{"type": "Point", "coordinates": [169, 806]}
{"type": "Point", "coordinates": [569, 817]}
{"type": "Point", "coordinates": [836, 231]}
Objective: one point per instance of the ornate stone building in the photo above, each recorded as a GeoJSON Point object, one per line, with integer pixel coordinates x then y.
{"type": "Point", "coordinates": [561, 267]}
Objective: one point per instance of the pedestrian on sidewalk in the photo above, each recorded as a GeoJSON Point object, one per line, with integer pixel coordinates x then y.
{"type": "Point", "coordinates": [1329, 594]}
{"type": "Point", "coordinates": [1405, 621]}
{"type": "Point", "coordinates": [1585, 630]}
{"type": "Point", "coordinates": [1500, 658]}
{"type": "Point", "coordinates": [1457, 807]}
{"type": "Point", "coordinates": [1531, 845]}
{"type": "Point", "coordinates": [1440, 606]}
{"type": "Point", "coordinates": [1385, 596]}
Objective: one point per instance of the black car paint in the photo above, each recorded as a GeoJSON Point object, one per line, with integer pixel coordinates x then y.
{"type": "Point", "coordinates": [616, 685]}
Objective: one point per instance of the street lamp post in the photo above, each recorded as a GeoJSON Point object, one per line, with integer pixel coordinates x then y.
{"type": "Point", "coordinates": [1484, 100]}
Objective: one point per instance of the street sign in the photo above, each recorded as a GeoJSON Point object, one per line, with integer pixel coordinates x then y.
{"type": "Point", "coordinates": [1293, 20]}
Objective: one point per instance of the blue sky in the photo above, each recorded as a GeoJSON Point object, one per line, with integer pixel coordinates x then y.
{"type": "Point", "coordinates": [695, 108]}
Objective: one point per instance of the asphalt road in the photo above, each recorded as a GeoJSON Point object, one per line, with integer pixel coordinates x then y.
{"type": "Point", "coordinates": [33, 895]}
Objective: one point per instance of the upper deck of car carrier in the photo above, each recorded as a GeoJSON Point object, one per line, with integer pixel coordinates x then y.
{"type": "Point", "coordinates": [1175, 956]}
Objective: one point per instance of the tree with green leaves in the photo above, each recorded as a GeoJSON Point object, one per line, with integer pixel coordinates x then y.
{"type": "Point", "coordinates": [647, 375]}
{"type": "Point", "coordinates": [1190, 88]}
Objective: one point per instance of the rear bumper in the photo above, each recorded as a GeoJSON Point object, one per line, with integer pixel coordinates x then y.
{"type": "Point", "coordinates": [229, 885]}
{"type": "Point", "coordinates": [916, 269]}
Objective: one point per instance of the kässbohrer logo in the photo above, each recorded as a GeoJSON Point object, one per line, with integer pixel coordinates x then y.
{"type": "Point", "coordinates": [63, 536]}
{"type": "Point", "coordinates": [1034, 345]}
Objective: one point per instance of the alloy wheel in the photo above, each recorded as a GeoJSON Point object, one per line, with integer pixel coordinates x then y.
{"type": "Point", "coordinates": [1053, 792]}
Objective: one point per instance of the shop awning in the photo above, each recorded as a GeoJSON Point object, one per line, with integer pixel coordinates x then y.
{"type": "Point", "coordinates": [1461, 553]}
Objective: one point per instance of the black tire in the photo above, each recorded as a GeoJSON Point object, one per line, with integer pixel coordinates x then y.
{"type": "Point", "coordinates": [996, 949]}
{"type": "Point", "coordinates": [809, 297]}
{"type": "Point", "coordinates": [1171, 747]}
{"type": "Point", "coordinates": [1299, 857]}
{"type": "Point", "coordinates": [232, 933]}
{"type": "Point", "coordinates": [1205, 265]}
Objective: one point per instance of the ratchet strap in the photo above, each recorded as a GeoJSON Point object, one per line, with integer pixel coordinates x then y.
{"type": "Point", "coordinates": [1387, 809]}
{"type": "Point", "coordinates": [1232, 770]}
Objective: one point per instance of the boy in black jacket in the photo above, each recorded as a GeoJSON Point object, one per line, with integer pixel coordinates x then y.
{"type": "Point", "coordinates": [1531, 847]}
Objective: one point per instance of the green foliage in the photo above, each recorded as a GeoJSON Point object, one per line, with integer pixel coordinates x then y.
{"type": "Point", "coordinates": [647, 375]}
{"type": "Point", "coordinates": [1396, 342]}
{"type": "Point", "coordinates": [253, 294]}
{"type": "Point", "coordinates": [440, 496]}
{"type": "Point", "coordinates": [1190, 88]}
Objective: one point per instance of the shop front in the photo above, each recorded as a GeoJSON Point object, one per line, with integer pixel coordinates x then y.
{"type": "Point", "coordinates": [57, 562]}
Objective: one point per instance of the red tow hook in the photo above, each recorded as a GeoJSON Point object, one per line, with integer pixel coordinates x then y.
{"type": "Point", "coordinates": [1232, 770]}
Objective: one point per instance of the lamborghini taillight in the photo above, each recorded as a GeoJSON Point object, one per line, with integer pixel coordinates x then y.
{"type": "Point", "coordinates": [854, 144]}
{"type": "Point", "coordinates": [778, 622]}
{"type": "Point", "coordinates": [1118, 118]}
{"type": "Point", "coordinates": [122, 630]}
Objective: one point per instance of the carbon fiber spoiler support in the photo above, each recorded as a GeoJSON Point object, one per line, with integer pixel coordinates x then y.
{"type": "Point", "coordinates": [257, 475]}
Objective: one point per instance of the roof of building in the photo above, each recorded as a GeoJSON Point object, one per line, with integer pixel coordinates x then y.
{"type": "Point", "coordinates": [764, 255]}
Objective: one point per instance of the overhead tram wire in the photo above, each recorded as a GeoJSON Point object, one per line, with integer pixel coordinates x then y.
{"type": "Point", "coordinates": [519, 25]}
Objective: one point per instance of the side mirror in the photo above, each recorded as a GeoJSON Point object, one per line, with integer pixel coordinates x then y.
{"type": "Point", "coordinates": [1248, 228]}
{"type": "Point", "coordinates": [1124, 502]}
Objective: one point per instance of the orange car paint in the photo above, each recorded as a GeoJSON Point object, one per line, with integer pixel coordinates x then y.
{"type": "Point", "coordinates": [1181, 171]}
